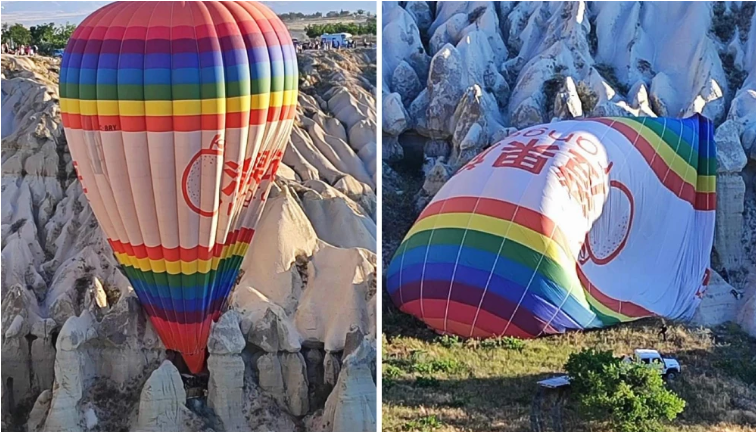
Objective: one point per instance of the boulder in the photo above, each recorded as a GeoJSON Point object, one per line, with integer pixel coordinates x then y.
{"type": "Point", "coordinates": [271, 377]}
{"type": "Point", "coordinates": [421, 13]}
{"type": "Point", "coordinates": [38, 414]}
{"type": "Point", "coordinates": [162, 401]}
{"type": "Point", "coordinates": [728, 226]}
{"type": "Point", "coordinates": [445, 89]}
{"type": "Point", "coordinates": [225, 388]}
{"type": "Point", "coordinates": [294, 372]}
{"type": "Point", "coordinates": [352, 404]}
{"type": "Point", "coordinates": [395, 118]}
{"type": "Point", "coordinates": [406, 83]}
{"type": "Point", "coordinates": [731, 157]}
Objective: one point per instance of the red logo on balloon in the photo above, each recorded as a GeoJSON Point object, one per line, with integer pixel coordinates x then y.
{"type": "Point", "coordinates": [605, 249]}
{"type": "Point", "coordinates": [191, 181]}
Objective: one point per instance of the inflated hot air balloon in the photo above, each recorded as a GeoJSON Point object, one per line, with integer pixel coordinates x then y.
{"type": "Point", "coordinates": [177, 115]}
{"type": "Point", "coordinates": [566, 226]}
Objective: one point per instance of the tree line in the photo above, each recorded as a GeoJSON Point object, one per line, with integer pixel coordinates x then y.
{"type": "Point", "coordinates": [47, 37]}
{"type": "Point", "coordinates": [315, 30]}
{"type": "Point", "coordinates": [291, 16]}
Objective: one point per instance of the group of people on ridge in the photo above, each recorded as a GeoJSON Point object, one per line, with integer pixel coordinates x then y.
{"type": "Point", "coordinates": [20, 50]}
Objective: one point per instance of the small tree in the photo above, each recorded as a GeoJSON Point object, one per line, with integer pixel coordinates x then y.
{"type": "Point", "coordinates": [628, 396]}
{"type": "Point", "coordinates": [19, 34]}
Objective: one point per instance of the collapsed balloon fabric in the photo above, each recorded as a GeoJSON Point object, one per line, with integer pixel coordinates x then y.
{"type": "Point", "coordinates": [566, 226]}
{"type": "Point", "coordinates": [177, 115]}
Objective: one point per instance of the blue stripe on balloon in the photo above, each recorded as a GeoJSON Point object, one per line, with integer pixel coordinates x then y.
{"type": "Point", "coordinates": [509, 278]}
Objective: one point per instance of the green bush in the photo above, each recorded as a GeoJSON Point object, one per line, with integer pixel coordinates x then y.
{"type": "Point", "coordinates": [449, 341]}
{"type": "Point", "coordinates": [426, 423]}
{"type": "Point", "coordinates": [315, 30]}
{"type": "Point", "coordinates": [444, 365]}
{"type": "Point", "coordinates": [511, 343]}
{"type": "Point", "coordinates": [627, 396]}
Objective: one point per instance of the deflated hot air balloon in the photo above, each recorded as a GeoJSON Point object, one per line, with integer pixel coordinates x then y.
{"type": "Point", "coordinates": [177, 115]}
{"type": "Point", "coordinates": [567, 226]}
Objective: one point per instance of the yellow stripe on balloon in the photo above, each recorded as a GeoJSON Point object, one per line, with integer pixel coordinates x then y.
{"type": "Point", "coordinates": [180, 266]}
{"type": "Point", "coordinates": [688, 173]}
{"type": "Point", "coordinates": [189, 107]}
{"type": "Point", "coordinates": [498, 227]}
{"type": "Point", "coordinates": [605, 310]}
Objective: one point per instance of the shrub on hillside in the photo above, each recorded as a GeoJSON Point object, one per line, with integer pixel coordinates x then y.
{"type": "Point", "coordinates": [627, 396]}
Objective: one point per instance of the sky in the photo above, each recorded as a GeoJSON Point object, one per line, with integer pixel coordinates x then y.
{"type": "Point", "coordinates": [31, 13]}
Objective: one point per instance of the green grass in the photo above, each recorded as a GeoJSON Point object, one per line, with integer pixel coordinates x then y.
{"type": "Point", "coordinates": [450, 384]}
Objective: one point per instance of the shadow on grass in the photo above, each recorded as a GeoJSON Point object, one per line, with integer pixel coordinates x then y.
{"type": "Point", "coordinates": [476, 404]}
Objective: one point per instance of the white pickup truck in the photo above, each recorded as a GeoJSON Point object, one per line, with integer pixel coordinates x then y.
{"type": "Point", "coordinates": [669, 367]}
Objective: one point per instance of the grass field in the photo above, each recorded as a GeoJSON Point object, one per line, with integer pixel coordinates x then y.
{"type": "Point", "coordinates": [447, 384]}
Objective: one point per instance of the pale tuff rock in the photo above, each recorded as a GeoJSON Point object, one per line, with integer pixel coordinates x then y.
{"type": "Point", "coordinates": [718, 304]}
{"type": "Point", "coordinates": [294, 373]}
{"type": "Point", "coordinates": [567, 104]}
{"type": "Point", "coordinates": [421, 13]}
{"type": "Point", "coordinates": [731, 157]}
{"type": "Point", "coordinates": [265, 323]}
{"type": "Point", "coordinates": [688, 69]}
{"type": "Point", "coordinates": [747, 314]}
{"type": "Point", "coordinates": [284, 377]}
{"type": "Point", "coordinates": [400, 32]}
{"type": "Point", "coordinates": [331, 368]}
{"type": "Point", "coordinates": [392, 150]}
{"type": "Point", "coordinates": [73, 373]}
{"type": "Point", "coordinates": [352, 404]}
{"type": "Point", "coordinates": [406, 83]}
{"type": "Point", "coordinates": [271, 377]}
{"type": "Point", "coordinates": [445, 89]}
{"type": "Point", "coordinates": [225, 393]}
{"type": "Point", "coordinates": [162, 404]}
{"type": "Point", "coordinates": [327, 286]}
{"type": "Point", "coordinates": [38, 414]}
{"type": "Point", "coordinates": [336, 218]}
{"type": "Point", "coordinates": [395, 118]}
{"type": "Point", "coordinates": [226, 337]}
{"type": "Point", "coordinates": [729, 220]}
{"type": "Point", "coordinates": [43, 354]}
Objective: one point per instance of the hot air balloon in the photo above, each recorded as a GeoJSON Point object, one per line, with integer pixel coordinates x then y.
{"type": "Point", "coordinates": [176, 116]}
{"type": "Point", "coordinates": [566, 226]}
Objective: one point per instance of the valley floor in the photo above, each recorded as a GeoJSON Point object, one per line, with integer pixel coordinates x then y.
{"type": "Point", "coordinates": [435, 383]}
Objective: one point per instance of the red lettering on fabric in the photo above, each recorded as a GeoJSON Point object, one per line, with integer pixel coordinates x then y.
{"type": "Point", "coordinates": [530, 157]}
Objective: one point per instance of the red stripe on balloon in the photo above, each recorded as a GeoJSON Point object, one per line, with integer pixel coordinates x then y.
{"type": "Point", "coordinates": [433, 311]}
{"type": "Point", "coordinates": [503, 210]}
{"type": "Point", "coordinates": [623, 307]}
{"type": "Point", "coordinates": [178, 253]}
{"type": "Point", "coordinates": [670, 179]}
{"type": "Point", "coordinates": [204, 122]}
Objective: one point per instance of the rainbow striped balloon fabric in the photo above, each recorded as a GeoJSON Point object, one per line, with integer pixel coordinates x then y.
{"type": "Point", "coordinates": [566, 226]}
{"type": "Point", "coordinates": [177, 115]}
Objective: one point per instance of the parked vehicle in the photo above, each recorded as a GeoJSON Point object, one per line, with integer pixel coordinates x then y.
{"type": "Point", "coordinates": [669, 367]}
{"type": "Point", "coordinates": [336, 39]}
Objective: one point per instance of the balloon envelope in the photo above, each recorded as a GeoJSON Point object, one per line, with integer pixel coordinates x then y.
{"type": "Point", "coordinates": [571, 225]}
{"type": "Point", "coordinates": [177, 115]}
